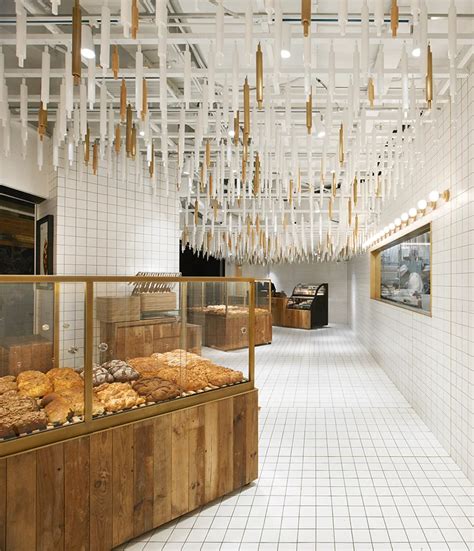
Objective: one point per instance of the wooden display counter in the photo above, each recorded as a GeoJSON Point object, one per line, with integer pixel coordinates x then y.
{"type": "Point", "coordinates": [231, 332]}
{"type": "Point", "coordinates": [130, 339]}
{"type": "Point", "coordinates": [98, 491]}
{"type": "Point", "coordinates": [289, 317]}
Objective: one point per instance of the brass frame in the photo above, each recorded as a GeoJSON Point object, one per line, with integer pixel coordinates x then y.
{"type": "Point", "coordinates": [375, 268]}
{"type": "Point", "coordinates": [90, 425]}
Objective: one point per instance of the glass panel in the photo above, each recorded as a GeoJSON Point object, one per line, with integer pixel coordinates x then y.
{"type": "Point", "coordinates": [154, 343]}
{"type": "Point", "coordinates": [406, 272]}
{"type": "Point", "coordinates": [263, 293]}
{"type": "Point", "coordinates": [41, 353]}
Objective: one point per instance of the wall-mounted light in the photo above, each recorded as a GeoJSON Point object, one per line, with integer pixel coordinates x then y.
{"type": "Point", "coordinates": [285, 51]}
{"type": "Point", "coordinates": [87, 43]}
{"type": "Point", "coordinates": [398, 222]}
{"type": "Point", "coordinates": [404, 216]}
{"type": "Point", "coordinates": [412, 212]}
{"type": "Point", "coordinates": [421, 205]}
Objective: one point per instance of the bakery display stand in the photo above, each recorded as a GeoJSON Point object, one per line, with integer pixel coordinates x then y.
{"type": "Point", "coordinates": [307, 308]}
{"type": "Point", "coordinates": [93, 456]}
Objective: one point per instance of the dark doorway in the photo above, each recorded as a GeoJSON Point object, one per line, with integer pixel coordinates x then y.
{"type": "Point", "coordinates": [194, 265]}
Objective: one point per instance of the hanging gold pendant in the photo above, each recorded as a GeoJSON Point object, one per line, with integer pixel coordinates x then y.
{"type": "Point", "coordinates": [144, 99]}
{"type": "Point", "coordinates": [128, 131]}
{"type": "Point", "coordinates": [115, 62]}
{"type": "Point", "coordinates": [371, 91]}
{"type": "Point", "coordinates": [76, 42]}
{"type": "Point", "coordinates": [42, 121]}
{"type": "Point", "coordinates": [259, 76]}
{"type": "Point", "coordinates": [394, 18]}
{"type": "Point", "coordinates": [134, 27]}
{"type": "Point", "coordinates": [306, 16]}
{"type": "Point", "coordinates": [95, 157]}
{"type": "Point", "coordinates": [429, 77]}
{"type": "Point", "coordinates": [123, 100]}
{"type": "Point", "coordinates": [118, 138]}
{"type": "Point", "coordinates": [309, 112]}
{"type": "Point", "coordinates": [246, 111]}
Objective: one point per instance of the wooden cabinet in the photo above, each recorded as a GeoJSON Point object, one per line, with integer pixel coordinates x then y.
{"type": "Point", "coordinates": [231, 332]}
{"type": "Point", "coordinates": [98, 491]}
{"type": "Point", "coordinates": [130, 339]}
{"type": "Point", "coordinates": [18, 354]}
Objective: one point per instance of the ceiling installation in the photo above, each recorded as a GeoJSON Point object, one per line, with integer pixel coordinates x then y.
{"type": "Point", "coordinates": [284, 132]}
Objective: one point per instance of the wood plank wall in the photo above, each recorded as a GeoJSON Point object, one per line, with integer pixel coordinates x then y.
{"type": "Point", "coordinates": [96, 492]}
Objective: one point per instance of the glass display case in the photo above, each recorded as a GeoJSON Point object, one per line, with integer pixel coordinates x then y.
{"type": "Point", "coordinates": [307, 307]}
{"type": "Point", "coordinates": [223, 314]}
{"type": "Point", "coordinates": [82, 354]}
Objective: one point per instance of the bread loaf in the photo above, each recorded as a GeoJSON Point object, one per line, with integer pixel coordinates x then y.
{"type": "Point", "coordinates": [34, 384]}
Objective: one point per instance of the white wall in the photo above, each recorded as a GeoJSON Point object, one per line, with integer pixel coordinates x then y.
{"type": "Point", "coordinates": [286, 276]}
{"type": "Point", "coordinates": [431, 359]}
{"type": "Point", "coordinates": [21, 173]}
{"type": "Point", "coordinates": [107, 226]}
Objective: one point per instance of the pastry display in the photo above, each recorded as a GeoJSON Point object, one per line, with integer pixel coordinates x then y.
{"type": "Point", "coordinates": [121, 371]}
{"type": "Point", "coordinates": [34, 384]}
{"type": "Point", "coordinates": [13, 402]}
{"type": "Point", "coordinates": [19, 414]}
{"type": "Point", "coordinates": [154, 389]}
{"type": "Point", "coordinates": [118, 396]}
{"type": "Point", "coordinates": [7, 383]}
{"type": "Point", "coordinates": [6, 429]}
{"type": "Point", "coordinates": [223, 310]}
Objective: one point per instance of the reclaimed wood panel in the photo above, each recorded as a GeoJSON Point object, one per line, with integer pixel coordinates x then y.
{"type": "Point", "coordinates": [179, 461]}
{"type": "Point", "coordinates": [76, 491]}
{"type": "Point", "coordinates": [101, 503]}
{"type": "Point", "coordinates": [3, 503]}
{"type": "Point", "coordinates": [123, 473]}
{"type": "Point", "coordinates": [98, 491]}
{"type": "Point", "coordinates": [196, 456]}
{"type": "Point", "coordinates": [225, 447]}
{"type": "Point", "coordinates": [21, 502]}
{"type": "Point", "coordinates": [240, 442]}
{"type": "Point", "coordinates": [251, 437]}
{"type": "Point", "coordinates": [212, 451]}
{"type": "Point", "coordinates": [162, 469]}
{"type": "Point", "coordinates": [143, 477]}
{"type": "Point", "coordinates": [50, 498]}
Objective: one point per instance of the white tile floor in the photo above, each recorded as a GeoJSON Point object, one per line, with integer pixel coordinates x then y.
{"type": "Point", "coordinates": [345, 463]}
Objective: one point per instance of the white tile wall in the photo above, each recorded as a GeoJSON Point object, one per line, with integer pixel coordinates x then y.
{"type": "Point", "coordinates": [431, 360]}
{"type": "Point", "coordinates": [107, 225]}
{"type": "Point", "coordinates": [286, 276]}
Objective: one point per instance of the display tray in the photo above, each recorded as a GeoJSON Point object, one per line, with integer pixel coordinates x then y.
{"type": "Point", "coordinates": [43, 402]}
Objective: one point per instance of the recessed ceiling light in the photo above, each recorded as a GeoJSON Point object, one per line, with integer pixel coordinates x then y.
{"type": "Point", "coordinates": [416, 52]}
{"type": "Point", "coordinates": [285, 51]}
{"type": "Point", "coordinates": [231, 133]}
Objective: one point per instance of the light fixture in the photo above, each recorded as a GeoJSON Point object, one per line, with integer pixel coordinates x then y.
{"type": "Point", "coordinates": [404, 217]}
{"type": "Point", "coordinates": [87, 43]}
{"type": "Point", "coordinates": [416, 51]}
{"type": "Point", "coordinates": [422, 204]}
{"type": "Point", "coordinates": [231, 133]}
{"type": "Point", "coordinates": [412, 212]}
{"type": "Point", "coordinates": [76, 42]}
{"type": "Point", "coordinates": [386, 230]}
{"type": "Point", "coordinates": [433, 196]}
{"type": "Point", "coordinates": [416, 48]}
{"type": "Point", "coordinates": [285, 52]}
{"type": "Point", "coordinates": [321, 132]}
{"type": "Point", "coordinates": [391, 226]}
{"type": "Point", "coordinates": [142, 133]}
{"type": "Point", "coordinates": [398, 222]}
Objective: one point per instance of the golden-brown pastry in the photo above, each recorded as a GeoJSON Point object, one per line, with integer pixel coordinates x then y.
{"type": "Point", "coordinates": [30, 421]}
{"type": "Point", "coordinates": [118, 396]}
{"type": "Point", "coordinates": [187, 379]}
{"type": "Point", "coordinates": [155, 389]}
{"type": "Point", "coordinates": [147, 366]}
{"type": "Point", "coordinates": [34, 384]}
{"type": "Point", "coordinates": [6, 428]}
{"type": "Point", "coordinates": [57, 408]}
{"type": "Point", "coordinates": [7, 383]}
{"type": "Point", "coordinates": [64, 377]}
{"type": "Point", "coordinates": [13, 403]}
